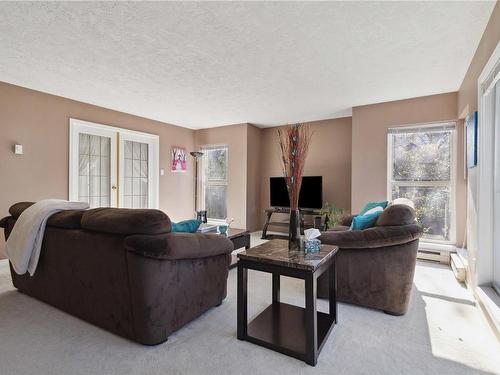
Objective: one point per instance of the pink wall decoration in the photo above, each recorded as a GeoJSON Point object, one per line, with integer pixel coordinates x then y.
{"type": "Point", "coordinates": [178, 163]}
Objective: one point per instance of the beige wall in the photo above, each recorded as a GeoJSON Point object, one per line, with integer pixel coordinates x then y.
{"type": "Point", "coordinates": [254, 157]}
{"type": "Point", "coordinates": [40, 122]}
{"type": "Point", "coordinates": [467, 94]}
{"type": "Point", "coordinates": [369, 146]}
{"type": "Point", "coordinates": [467, 103]}
{"type": "Point", "coordinates": [235, 137]}
{"type": "Point", "coordinates": [254, 177]}
{"type": "Point", "coordinates": [329, 156]}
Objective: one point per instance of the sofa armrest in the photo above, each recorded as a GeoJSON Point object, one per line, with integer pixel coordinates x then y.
{"type": "Point", "coordinates": [18, 208]}
{"type": "Point", "coordinates": [372, 237]}
{"type": "Point", "coordinates": [3, 222]}
{"type": "Point", "coordinates": [176, 246]}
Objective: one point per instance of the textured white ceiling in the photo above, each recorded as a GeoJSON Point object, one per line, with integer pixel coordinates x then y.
{"type": "Point", "coordinates": [208, 64]}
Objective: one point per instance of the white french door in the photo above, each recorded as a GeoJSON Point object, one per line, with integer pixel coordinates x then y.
{"type": "Point", "coordinates": [113, 167]}
{"type": "Point", "coordinates": [136, 162]}
{"type": "Point", "coordinates": [93, 165]}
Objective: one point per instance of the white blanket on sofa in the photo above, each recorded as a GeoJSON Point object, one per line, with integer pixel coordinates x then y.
{"type": "Point", "coordinates": [25, 240]}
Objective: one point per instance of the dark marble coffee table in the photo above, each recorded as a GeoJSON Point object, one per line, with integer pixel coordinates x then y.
{"type": "Point", "coordinates": [240, 238]}
{"type": "Point", "coordinates": [288, 329]}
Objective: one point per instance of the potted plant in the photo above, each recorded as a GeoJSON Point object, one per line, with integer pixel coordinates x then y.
{"type": "Point", "coordinates": [333, 215]}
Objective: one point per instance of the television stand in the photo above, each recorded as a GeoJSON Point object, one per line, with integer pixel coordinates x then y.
{"type": "Point", "coordinates": [283, 210]}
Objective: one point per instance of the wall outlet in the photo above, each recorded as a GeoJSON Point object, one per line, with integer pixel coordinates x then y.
{"type": "Point", "coordinates": [162, 172]}
{"type": "Point", "coordinates": [18, 149]}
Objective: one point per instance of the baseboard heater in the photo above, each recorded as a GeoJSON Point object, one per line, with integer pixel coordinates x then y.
{"type": "Point", "coordinates": [434, 256]}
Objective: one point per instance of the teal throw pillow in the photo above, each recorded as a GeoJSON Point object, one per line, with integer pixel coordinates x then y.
{"type": "Point", "coordinates": [186, 226]}
{"type": "Point", "coordinates": [371, 205]}
{"type": "Point", "coordinates": [361, 222]}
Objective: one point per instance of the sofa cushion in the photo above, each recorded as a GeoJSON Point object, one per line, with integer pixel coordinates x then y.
{"type": "Point", "coordinates": [397, 214]}
{"type": "Point", "coordinates": [371, 205]}
{"type": "Point", "coordinates": [374, 210]}
{"type": "Point", "coordinates": [365, 221]}
{"type": "Point", "coordinates": [126, 221]}
{"type": "Point", "coordinates": [406, 201]}
{"type": "Point", "coordinates": [65, 219]}
{"type": "Point", "coordinates": [186, 226]}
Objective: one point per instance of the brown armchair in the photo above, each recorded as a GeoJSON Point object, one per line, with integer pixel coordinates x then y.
{"type": "Point", "coordinates": [375, 266]}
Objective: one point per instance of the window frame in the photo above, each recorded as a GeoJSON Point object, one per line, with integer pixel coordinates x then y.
{"type": "Point", "coordinates": [451, 184]}
{"type": "Point", "coordinates": [204, 182]}
{"type": "Point", "coordinates": [484, 241]}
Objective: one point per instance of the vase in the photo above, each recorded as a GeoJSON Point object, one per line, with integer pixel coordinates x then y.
{"type": "Point", "coordinates": [294, 230]}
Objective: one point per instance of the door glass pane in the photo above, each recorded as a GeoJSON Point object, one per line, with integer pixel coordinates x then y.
{"type": "Point", "coordinates": [432, 208]}
{"type": "Point", "coordinates": [135, 175]}
{"type": "Point", "coordinates": [94, 170]}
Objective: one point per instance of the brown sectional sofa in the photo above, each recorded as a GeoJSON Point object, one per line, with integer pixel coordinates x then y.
{"type": "Point", "coordinates": [124, 271]}
{"type": "Point", "coordinates": [375, 266]}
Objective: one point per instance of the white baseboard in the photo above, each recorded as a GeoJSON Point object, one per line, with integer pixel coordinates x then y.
{"type": "Point", "coordinates": [489, 301]}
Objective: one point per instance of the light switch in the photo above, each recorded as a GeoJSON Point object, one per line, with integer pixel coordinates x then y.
{"type": "Point", "coordinates": [18, 149]}
{"type": "Point", "coordinates": [162, 172]}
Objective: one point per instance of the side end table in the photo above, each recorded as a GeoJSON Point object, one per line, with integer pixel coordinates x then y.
{"type": "Point", "coordinates": [288, 329]}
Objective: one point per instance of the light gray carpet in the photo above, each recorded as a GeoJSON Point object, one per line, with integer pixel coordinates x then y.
{"type": "Point", "coordinates": [443, 333]}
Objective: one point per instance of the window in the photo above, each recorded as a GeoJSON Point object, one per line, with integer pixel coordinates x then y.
{"type": "Point", "coordinates": [214, 181]}
{"type": "Point", "coordinates": [421, 168]}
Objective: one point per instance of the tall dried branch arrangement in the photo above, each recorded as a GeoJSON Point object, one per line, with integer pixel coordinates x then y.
{"type": "Point", "coordinates": [294, 144]}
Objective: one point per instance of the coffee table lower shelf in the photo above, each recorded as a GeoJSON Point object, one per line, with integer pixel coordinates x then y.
{"type": "Point", "coordinates": [282, 327]}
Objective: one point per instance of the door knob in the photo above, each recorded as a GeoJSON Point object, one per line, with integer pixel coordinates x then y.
{"type": "Point", "coordinates": [113, 187]}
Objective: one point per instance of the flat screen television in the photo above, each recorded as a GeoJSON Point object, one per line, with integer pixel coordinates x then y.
{"type": "Point", "coordinates": [310, 196]}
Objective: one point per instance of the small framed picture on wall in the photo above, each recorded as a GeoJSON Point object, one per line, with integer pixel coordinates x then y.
{"type": "Point", "coordinates": [178, 160]}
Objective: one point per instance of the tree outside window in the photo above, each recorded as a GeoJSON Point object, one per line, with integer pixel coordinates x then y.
{"type": "Point", "coordinates": [215, 181]}
{"type": "Point", "coordinates": [421, 169]}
